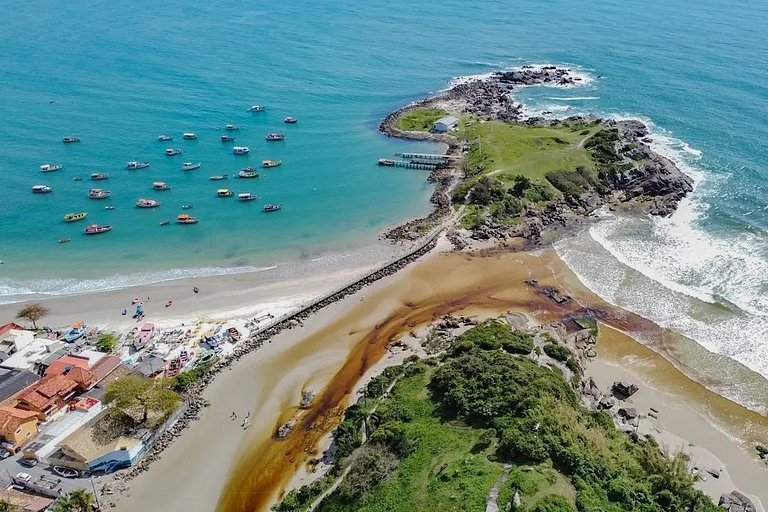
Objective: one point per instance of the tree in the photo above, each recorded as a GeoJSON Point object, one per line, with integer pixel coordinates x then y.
{"type": "Point", "coordinates": [32, 312]}
{"type": "Point", "coordinates": [107, 343]}
{"type": "Point", "coordinates": [75, 501]}
{"type": "Point", "coordinates": [7, 507]}
{"type": "Point", "coordinates": [132, 394]}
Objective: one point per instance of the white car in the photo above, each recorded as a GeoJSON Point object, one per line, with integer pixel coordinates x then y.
{"type": "Point", "coordinates": [26, 477]}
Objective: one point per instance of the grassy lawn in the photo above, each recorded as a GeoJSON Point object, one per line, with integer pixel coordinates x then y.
{"type": "Point", "coordinates": [534, 483]}
{"type": "Point", "coordinates": [419, 119]}
{"type": "Point", "coordinates": [442, 474]}
{"type": "Point", "coordinates": [504, 150]}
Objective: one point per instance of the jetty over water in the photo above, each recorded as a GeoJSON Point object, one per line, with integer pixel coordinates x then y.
{"type": "Point", "coordinates": [425, 156]}
{"type": "Point", "coordinates": [411, 164]}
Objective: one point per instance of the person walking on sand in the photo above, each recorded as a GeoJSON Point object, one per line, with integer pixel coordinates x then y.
{"type": "Point", "coordinates": [233, 415]}
{"type": "Point", "coordinates": [195, 289]}
{"type": "Point", "coordinates": [248, 415]}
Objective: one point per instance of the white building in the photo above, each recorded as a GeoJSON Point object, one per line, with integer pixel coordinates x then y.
{"type": "Point", "coordinates": [445, 124]}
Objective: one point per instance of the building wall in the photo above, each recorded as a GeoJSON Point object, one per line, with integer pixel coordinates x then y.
{"type": "Point", "coordinates": [25, 433]}
{"type": "Point", "coordinates": [122, 457]}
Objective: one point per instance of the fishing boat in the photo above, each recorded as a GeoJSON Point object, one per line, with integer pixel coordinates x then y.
{"type": "Point", "coordinates": [95, 229]}
{"type": "Point", "coordinates": [189, 136]}
{"type": "Point", "coordinates": [290, 120]}
{"type": "Point", "coordinates": [110, 207]}
{"type": "Point", "coordinates": [224, 192]}
{"type": "Point", "coordinates": [172, 151]}
{"type": "Point", "coordinates": [271, 163]}
{"type": "Point", "coordinates": [248, 172]}
{"type": "Point", "coordinates": [136, 165]}
{"type": "Point", "coordinates": [231, 128]}
{"type": "Point", "coordinates": [70, 140]}
{"type": "Point", "coordinates": [247, 196]}
{"type": "Point", "coordinates": [164, 138]}
{"type": "Point", "coordinates": [186, 219]}
{"type": "Point", "coordinates": [186, 206]}
{"type": "Point", "coordinates": [50, 167]}
{"type": "Point", "coordinates": [256, 108]}
{"type": "Point", "coordinates": [306, 398]}
{"type": "Point", "coordinates": [74, 217]}
{"type": "Point", "coordinates": [272, 137]}
{"type": "Point", "coordinates": [191, 166]}
{"type": "Point", "coordinates": [96, 176]}
{"type": "Point", "coordinates": [147, 203]}
{"type": "Point", "coordinates": [41, 189]}
{"type": "Point", "coordinates": [165, 223]}
{"type": "Point", "coordinates": [99, 193]}
{"type": "Point", "coordinates": [234, 334]}
{"type": "Point", "coordinates": [219, 177]}
{"type": "Point", "coordinates": [77, 178]}
{"type": "Point", "coordinates": [272, 207]}
{"type": "Point", "coordinates": [227, 138]}
{"type": "Point", "coordinates": [76, 332]}
{"type": "Point", "coordinates": [63, 240]}
{"type": "Point", "coordinates": [143, 336]}
{"type": "Point", "coordinates": [161, 185]}
{"type": "Point", "coordinates": [241, 150]}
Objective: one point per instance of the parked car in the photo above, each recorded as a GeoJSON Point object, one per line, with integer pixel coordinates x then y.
{"type": "Point", "coordinates": [28, 463]}
{"type": "Point", "coordinates": [24, 477]}
{"type": "Point", "coordinates": [4, 454]}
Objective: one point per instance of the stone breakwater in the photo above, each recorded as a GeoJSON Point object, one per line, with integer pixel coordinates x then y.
{"type": "Point", "coordinates": [194, 403]}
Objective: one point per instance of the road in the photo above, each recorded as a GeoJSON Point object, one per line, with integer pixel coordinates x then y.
{"type": "Point", "coordinates": [10, 467]}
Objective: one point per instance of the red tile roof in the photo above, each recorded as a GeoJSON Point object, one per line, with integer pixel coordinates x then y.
{"type": "Point", "coordinates": [105, 366]}
{"type": "Point", "coordinates": [7, 327]}
{"type": "Point", "coordinates": [11, 418]}
{"type": "Point", "coordinates": [45, 392]}
{"type": "Point", "coordinates": [60, 365]}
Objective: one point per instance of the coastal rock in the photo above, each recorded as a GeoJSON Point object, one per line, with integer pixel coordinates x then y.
{"type": "Point", "coordinates": [628, 413]}
{"type": "Point", "coordinates": [736, 502]}
{"type": "Point", "coordinates": [623, 390]}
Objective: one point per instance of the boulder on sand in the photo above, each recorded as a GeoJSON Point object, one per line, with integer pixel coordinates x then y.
{"type": "Point", "coordinates": [736, 502]}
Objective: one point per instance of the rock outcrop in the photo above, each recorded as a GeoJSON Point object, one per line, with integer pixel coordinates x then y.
{"type": "Point", "coordinates": [736, 502]}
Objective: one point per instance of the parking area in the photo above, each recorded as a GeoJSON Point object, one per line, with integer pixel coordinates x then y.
{"type": "Point", "coordinates": [10, 467]}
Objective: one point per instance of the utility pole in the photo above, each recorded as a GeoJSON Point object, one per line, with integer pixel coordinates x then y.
{"type": "Point", "coordinates": [95, 494]}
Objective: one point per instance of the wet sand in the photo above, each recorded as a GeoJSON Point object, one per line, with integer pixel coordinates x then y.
{"type": "Point", "coordinates": [217, 465]}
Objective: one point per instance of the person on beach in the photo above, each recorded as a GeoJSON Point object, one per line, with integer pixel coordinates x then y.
{"type": "Point", "coordinates": [233, 415]}
{"type": "Point", "coordinates": [125, 312]}
{"type": "Point", "coordinates": [169, 304]}
{"type": "Point", "coordinates": [248, 416]}
{"type": "Point", "coordinates": [195, 289]}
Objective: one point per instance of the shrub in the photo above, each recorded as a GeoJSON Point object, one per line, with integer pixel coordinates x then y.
{"type": "Point", "coordinates": [107, 343]}
{"type": "Point", "coordinates": [518, 343]}
{"type": "Point", "coordinates": [557, 352]}
{"type": "Point", "coordinates": [553, 503]}
{"type": "Point", "coordinates": [371, 465]}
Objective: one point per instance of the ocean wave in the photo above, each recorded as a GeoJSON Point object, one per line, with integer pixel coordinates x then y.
{"type": "Point", "coordinates": [18, 290]}
{"type": "Point", "coordinates": [573, 98]}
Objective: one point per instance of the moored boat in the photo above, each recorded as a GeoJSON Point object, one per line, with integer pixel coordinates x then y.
{"type": "Point", "coordinates": [164, 138]}
{"type": "Point", "coordinates": [219, 177]}
{"type": "Point", "coordinates": [275, 136]}
{"type": "Point", "coordinates": [241, 150]}
{"type": "Point", "coordinates": [224, 192]}
{"type": "Point", "coordinates": [136, 165]}
{"type": "Point", "coordinates": [247, 196]}
{"type": "Point", "coordinates": [186, 206]}
{"type": "Point", "coordinates": [234, 334]}
{"type": "Point", "coordinates": [74, 217]}
{"type": "Point", "coordinates": [76, 332]}
{"type": "Point", "coordinates": [189, 136]}
{"type": "Point", "coordinates": [290, 120]}
{"type": "Point", "coordinates": [110, 207]}
{"type": "Point", "coordinates": [191, 166]}
{"type": "Point", "coordinates": [41, 189]}
{"type": "Point", "coordinates": [231, 128]}
{"type": "Point", "coordinates": [96, 176]}
{"type": "Point", "coordinates": [96, 229]}
{"type": "Point", "coordinates": [256, 108]}
{"type": "Point", "coordinates": [77, 178]}
{"type": "Point", "coordinates": [272, 207]}
{"type": "Point", "coordinates": [99, 193]}
{"type": "Point", "coordinates": [161, 185]}
{"type": "Point", "coordinates": [248, 172]}
{"type": "Point", "coordinates": [227, 138]}
{"type": "Point", "coordinates": [186, 219]}
{"type": "Point", "coordinates": [172, 151]}
{"type": "Point", "coordinates": [271, 163]}
{"type": "Point", "coordinates": [165, 223]}
{"type": "Point", "coordinates": [70, 140]}
{"type": "Point", "coordinates": [147, 203]}
{"type": "Point", "coordinates": [50, 167]}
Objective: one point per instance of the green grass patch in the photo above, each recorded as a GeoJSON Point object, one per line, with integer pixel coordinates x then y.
{"type": "Point", "coordinates": [419, 119]}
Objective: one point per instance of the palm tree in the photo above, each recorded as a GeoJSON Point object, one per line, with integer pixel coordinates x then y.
{"type": "Point", "coordinates": [75, 501]}
{"type": "Point", "coordinates": [7, 507]}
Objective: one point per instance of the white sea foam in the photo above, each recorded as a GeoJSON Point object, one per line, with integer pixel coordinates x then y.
{"type": "Point", "coordinates": [582, 76]}
{"type": "Point", "coordinates": [17, 290]}
{"type": "Point", "coordinates": [573, 98]}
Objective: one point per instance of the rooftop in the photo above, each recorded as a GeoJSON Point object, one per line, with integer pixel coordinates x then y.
{"type": "Point", "coordinates": [26, 357]}
{"type": "Point", "coordinates": [11, 418]}
{"type": "Point", "coordinates": [25, 502]}
{"type": "Point", "coordinates": [448, 120]}
{"type": "Point", "coordinates": [67, 362]}
{"type": "Point", "coordinates": [97, 438]}
{"type": "Point", "coordinates": [45, 392]}
{"type": "Point", "coordinates": [13, 380]}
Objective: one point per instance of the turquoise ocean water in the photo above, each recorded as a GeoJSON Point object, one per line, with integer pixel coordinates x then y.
{"type": "Point", "coordinates": [119, 74]}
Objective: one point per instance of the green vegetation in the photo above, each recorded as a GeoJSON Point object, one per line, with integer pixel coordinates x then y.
{"type": "Point", "coordinates": [7, 507]}
{"type": "Point", "coordinates": [74, 501]}
{"type": "Point", "coordinates": [107, 343]}
{"type": "Point", "coordinates": [438, 442]}
{"type": "Point", "coordinates": [137, 396]}
{"type": "Point", "coordinates": [183, 380]}
{"type": "Point", "coordinates": [419, 119]}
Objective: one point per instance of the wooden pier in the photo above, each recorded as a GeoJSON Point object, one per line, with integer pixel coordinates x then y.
{"type": "Point", "coordinates": [410, 164]}
{"type": "Point", "coordinates": [425, 156]}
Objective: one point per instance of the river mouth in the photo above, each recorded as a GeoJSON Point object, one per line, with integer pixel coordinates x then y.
{"type": "Point", "coordinates": [454, 283]}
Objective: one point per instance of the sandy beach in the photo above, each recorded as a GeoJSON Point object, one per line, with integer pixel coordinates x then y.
{"type": "Point", "coordinates": [219, 465]}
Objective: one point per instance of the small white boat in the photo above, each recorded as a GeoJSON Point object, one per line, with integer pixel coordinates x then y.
{"type": "Point", "coordinates": [272, 207]}
{"type": "Point", "coordinates": [248, 172]}
{"type": "Point", "coordinates": [99, 193]}
{"type": "Point", "coordinates": [77, 178]}
{"type": "Point", "coordinates": [164, 138]}
{"type": "Point", "coordinates": [272, 137]}
{"type": "Point", "coordinates": [191, 166]}
{"type": "Point", "coordinates": [70, 140]}
{"type": "Point", "coordinates": [256, 108]}
{"type": "Point", "coordinates": [137, 165]}
{"type": "Point", "coordinates": [95, 229]}
{"type": "Point", "coordinates": [227, 138]}
{"type": "Point", "coordinates": [224, 192]}
{"type": "Point", "coordinates": [96, 176]}
{"type": "Point", "coordinates": [172, 151]}
{"type": "Point", "coordinates": [186, 219]}
{"type": "Point", "coordinates": [231, 128]}
{"type": "Point", "coordinates": [247, 196]}
{"type": "Point", "coordinates": [50, 167]}
{"type": "Point", "coordinates": [219, 177]}
{"type": "Point", "coordinates": [161, 185]}
{"type": "Point", "coordinates": [147, 203]}
{"type": "Point", "coordinates": [290, 120]}
{"type": "Point", "coordinates": [271, 163]}
{"type": "Point", "coordinates": [41, 189]}
{"type": "Point", "coordinates": [241, 150]}
{"type": "Point", "coordinates": [189, 136]}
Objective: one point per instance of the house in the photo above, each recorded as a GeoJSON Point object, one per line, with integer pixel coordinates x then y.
{"type": "Point", "coordinates": [23, 502]}
{"type": "Point", "coordinates": [13, 380]}
{"type": "Point", "coordinates": [150, 366]}
{"type": "Point", "coordinates": [17, 427]}
{"type": "Point", "coordinates": [97, 446]}
{"type": "Point", "coordinates": [14, 337]}
{"type": "Point", "coordinates": [78, 414]}
{"type": "Point", "coordinates": [445, 124]}
{"type": "Point", "coordinates": [47, 396]}
{"type": "Point", "coordinates": [36, 355]}
{"type": "Point", "coordinates": [76, 368]}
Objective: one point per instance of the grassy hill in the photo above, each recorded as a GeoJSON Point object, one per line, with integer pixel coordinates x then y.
{"type": "Point", "coordinates": [485, 416]}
